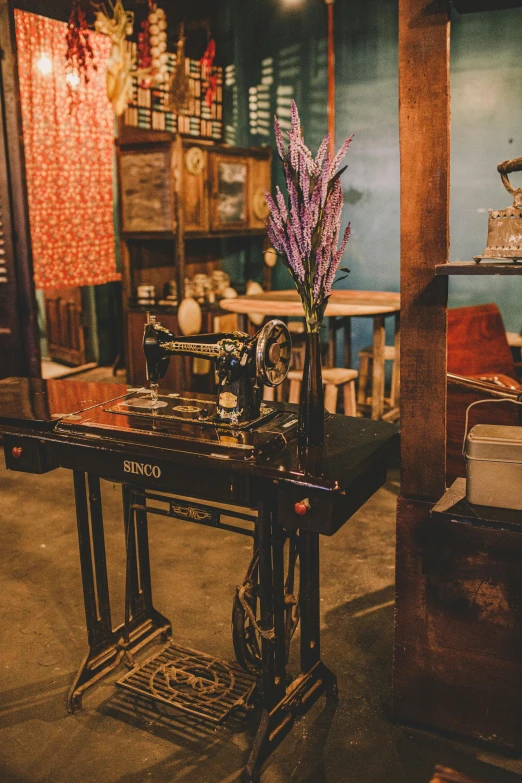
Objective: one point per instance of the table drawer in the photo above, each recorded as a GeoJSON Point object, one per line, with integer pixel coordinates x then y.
{"type": "Point", "coordinates": [325, 511]}
{"type": "Point", "coordinates": [27, 455]}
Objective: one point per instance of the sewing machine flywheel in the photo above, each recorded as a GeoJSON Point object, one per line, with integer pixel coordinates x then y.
{"type": "Point", "coordinates": [273, 353]}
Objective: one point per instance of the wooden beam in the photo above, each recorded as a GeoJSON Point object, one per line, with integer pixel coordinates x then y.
{"type": "Point", "coordinates": [424, 112]}
{"type": "Point", "coordinates": [331, 76]}
{"type": "Point", "coordinates": [29, 347]}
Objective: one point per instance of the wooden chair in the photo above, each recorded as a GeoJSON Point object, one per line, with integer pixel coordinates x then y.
{"type": "Point", "coordinates": [334, 378]}
{"type": "Point", "coordinates": [480, 366]}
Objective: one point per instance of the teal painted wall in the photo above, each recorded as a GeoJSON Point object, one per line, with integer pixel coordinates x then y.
{"type": "Point", "coordinates": [288, 41]}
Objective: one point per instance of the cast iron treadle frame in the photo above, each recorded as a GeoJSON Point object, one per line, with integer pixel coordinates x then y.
{"type": "Point", "coordinates": [107, 646]}
{"type": "Point", "coordinates": [191, 681]}
{"type": "Point", "coordinates": [281, 703]}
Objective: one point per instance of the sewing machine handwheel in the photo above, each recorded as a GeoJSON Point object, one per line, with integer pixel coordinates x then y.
{"type": "Point", "coordinates": [273, 353]}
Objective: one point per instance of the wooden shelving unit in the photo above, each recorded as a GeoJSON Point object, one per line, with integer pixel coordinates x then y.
{"type": "Point", "coordinates": [457, 626]}
{"type": "Point", "coordinates": [484, 268]}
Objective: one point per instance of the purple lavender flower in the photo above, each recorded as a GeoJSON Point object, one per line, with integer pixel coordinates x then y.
{"type": "Point", "coordinates": [306, 230]}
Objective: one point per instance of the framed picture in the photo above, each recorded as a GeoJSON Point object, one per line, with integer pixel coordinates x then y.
{"type": "Point", "coordinates": [147, 198]}
{"type": "Point", "coordinates": [230, 193]}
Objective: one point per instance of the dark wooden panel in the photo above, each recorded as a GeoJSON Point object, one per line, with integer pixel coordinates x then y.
{"type": "Point", "coordinates": [195, 191]}
{"type": "Point", "coordinates": [65, 330]}
{"type": "Point", "coordinates": [19, 337]}
{"type": "Point", "coordinates": [458, 626]}
{"type": "Point", "coordinates": [424, 138]}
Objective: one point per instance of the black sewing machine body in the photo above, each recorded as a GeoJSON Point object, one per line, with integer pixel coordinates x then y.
{"type": "Point", "coordinates": [244, 364]}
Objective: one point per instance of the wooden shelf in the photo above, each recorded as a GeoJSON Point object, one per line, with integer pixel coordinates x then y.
{"type": "Point", "coordinates": [453, 507]}
{"type": "Point", "coordinates": [169, 235]}
{"type": "Point", "coordinates": [484, 268]}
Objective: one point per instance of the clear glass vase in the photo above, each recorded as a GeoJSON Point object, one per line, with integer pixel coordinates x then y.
{"type": "Point", "coordinates": [311, 405]}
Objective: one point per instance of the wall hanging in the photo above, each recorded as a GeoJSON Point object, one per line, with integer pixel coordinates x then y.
{"type": "Point", "coordinates": [68, 156]}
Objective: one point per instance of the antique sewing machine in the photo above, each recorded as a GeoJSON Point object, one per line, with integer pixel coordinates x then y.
{"type": "Point", "coordinates": [225, 462]}
{"type": "Point", "coordinates": [244, 365]}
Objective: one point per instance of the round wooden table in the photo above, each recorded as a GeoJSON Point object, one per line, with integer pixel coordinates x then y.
{"type": "Point", "coordinates": [342, 307]}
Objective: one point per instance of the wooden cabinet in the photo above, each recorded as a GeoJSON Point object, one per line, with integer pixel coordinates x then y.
{"type": "Point", "coordinates": [221, 188]}
{"type": "Point", "coordinates": [65, 330]}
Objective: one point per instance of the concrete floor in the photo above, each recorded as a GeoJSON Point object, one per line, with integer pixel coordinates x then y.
{"type": "Point", "coordinates": [195, 571]}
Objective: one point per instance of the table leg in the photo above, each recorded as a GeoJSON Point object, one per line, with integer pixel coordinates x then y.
{"type": "Point", "coordinates": [280, 703]}
{"type": "Point", "coordinates": [100, 634]}
{"type": "Point", "coordinates": [378, 376]}
{"type": "Point", "coordinates": [106, 644]}
{"type": "Point", "coordinates": [347, 324]}
{"type": "Point", "coordinates": [332, 335]}
{"type": "Point", "coordinates": [142, 621]}
{"type": "Point", "coordinates": [395, 388]}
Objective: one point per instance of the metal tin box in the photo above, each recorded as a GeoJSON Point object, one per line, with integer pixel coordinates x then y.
{"type": "Point", "coordinates": [494, 466]}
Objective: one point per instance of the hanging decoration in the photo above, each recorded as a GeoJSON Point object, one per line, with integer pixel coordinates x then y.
{"type": "Point", "coordinates": [158, 43]}
{"type": "Point", "coordinates": [117, 23]}
{"type": "Point", "coordinates": [179, 86]}
{"type": "Point", "coordinates": [79, 57]}
{"type": "Point", "coordinates": [152, 48]}
{"type": "Point", "coordinates": [144, 55]}
{"type": "Point", "coordinates": [208, 72]}
{"type": "Point", "coordinates": [68, 159]}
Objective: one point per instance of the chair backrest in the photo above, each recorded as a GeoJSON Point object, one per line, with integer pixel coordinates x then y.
{"type": "Point", "coordinates": [477, 342]}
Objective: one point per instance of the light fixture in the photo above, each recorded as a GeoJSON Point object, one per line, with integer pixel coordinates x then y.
{"type": "Point", "coordinates": [73, 79]}
{"type": "Point", "coordinates": [44, 64]}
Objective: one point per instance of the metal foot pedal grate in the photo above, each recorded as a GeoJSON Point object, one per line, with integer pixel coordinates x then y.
{"type": "Point", "coordinates": [191, 681]}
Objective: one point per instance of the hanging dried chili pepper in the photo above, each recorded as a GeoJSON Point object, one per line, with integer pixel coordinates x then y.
{"type": "Point", "coordinates": [79, 57]}
{"type": "Point", "coordinates": [208, 73]}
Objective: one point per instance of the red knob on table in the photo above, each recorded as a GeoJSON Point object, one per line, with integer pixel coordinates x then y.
{"type": "Point", "coordinates": [302, 507]}
{"type": "Point", "coordinates": [17, 452]}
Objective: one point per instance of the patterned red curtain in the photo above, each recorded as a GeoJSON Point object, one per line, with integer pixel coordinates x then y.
{"type": "Point", "coordinates": [69, 149]}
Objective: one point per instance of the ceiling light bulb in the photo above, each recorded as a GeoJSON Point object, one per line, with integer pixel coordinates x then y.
{"type": "Point", "coordinates": [72, 79]}
{"type": "Point", "coordinates": [44, 64]}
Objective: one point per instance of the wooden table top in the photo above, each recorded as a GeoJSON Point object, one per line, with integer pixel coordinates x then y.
{"type": "Point", "coordinates": [341, 303]}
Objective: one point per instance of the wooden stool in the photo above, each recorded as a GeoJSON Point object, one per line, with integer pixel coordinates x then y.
{"type": "Point", "coordinates": [366, 356]}
{"type": "Point", "coordinates": [333, 378]}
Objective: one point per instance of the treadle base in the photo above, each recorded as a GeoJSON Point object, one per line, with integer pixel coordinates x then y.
{"type": "Point", "coordinates": [191, 681]}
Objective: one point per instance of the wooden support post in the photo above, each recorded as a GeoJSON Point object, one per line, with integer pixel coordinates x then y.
{"type": "Point", "coordinates": [23, 341]}
{"type": "Point", "coordinates": [424, 114]}
{"type": "Point", "coordinates": [180, 223]}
